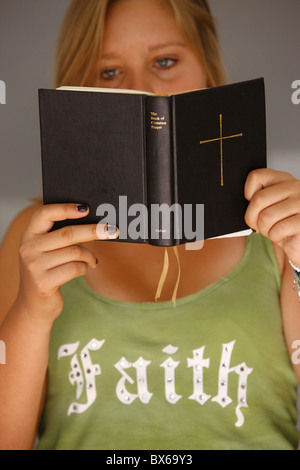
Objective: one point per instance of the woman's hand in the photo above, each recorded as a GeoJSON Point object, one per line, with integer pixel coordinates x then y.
{"type": "Point", "coordinates": [48, 260]}
{"type": "Point", "coordinates": [274, 209]}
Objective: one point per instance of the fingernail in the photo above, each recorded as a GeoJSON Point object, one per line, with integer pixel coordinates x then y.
{"type": "Point", "coordinates": [82, 208]}
{"type": "Point", "coordinates": [111, 230]}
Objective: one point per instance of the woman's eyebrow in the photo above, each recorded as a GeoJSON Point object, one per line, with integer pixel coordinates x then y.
{"type": "Point", "coordinates": [109, 56]}
{"type": "Point", "coordinates": [156, 47]}
{"type": "Point", "coordinates": [166, 44]}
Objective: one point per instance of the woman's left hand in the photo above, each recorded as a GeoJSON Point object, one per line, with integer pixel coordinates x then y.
{"type": "Point", "coordinates": [274, 209]}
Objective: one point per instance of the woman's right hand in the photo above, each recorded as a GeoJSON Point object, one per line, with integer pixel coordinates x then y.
{"type": "Point", "coordinates": [50, 259]}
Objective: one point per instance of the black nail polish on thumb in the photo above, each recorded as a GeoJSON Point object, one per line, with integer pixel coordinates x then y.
{"type": "Point", "coordinates": [111, 229]}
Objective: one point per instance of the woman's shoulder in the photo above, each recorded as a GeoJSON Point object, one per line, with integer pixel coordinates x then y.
{"type": "Point", "coordinates": [9, 256]}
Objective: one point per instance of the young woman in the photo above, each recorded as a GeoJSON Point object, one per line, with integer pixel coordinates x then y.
{"type": "Point", "coordinates": [92, 361]}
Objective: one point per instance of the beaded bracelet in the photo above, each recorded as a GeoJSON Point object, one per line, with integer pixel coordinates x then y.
{"type": "Point", "coordinates": [296, 271]}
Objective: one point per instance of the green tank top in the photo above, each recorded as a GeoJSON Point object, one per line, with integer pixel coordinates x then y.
{"type": "Point", "coordinates": [212, 373]}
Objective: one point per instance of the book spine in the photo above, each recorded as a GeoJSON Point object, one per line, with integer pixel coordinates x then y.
{"type": "Point", "coordinates": [160, 170]}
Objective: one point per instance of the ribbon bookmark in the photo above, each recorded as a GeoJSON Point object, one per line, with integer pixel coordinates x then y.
{"type": "Point", "coordinates": [178, 276]}
{"type": "Point", "coordinates": [164, 273]}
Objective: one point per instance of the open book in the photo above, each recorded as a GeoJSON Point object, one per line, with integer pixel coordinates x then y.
{"type": "Point", "coordinates": [165, 169]}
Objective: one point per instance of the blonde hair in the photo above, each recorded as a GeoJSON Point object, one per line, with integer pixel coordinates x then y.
{"type": "Point", "coordinates": [80, 40]}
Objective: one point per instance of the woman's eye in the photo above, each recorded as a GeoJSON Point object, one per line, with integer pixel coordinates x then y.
{"type": "Point", "coordinates": [109, 74]}
{"type": "Point", "coordinates": [165, 63]}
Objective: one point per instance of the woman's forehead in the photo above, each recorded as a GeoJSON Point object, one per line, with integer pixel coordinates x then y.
{"type": "Point", "coordinates": [142, 21]}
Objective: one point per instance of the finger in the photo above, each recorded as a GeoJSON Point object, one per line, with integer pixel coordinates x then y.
{"type": "Point", "coordinates": [265, 198]}
{"type": "Point", "coordinates": [285, 229]}
{"type": "Point", "coordinates": [43, 220]}
{"type": "Point", "coordinates": [263, 178]}
{"type": "Point", "coordinates": [57, 277]}
{"type": "Point", "coordinates": [107, 232]}
{"type": "Point", "coordinates": [52, 259]}
{"type": "Point", "coordinates": [74, 234]}
{"type": "Point", "coordinates": [274, 214]}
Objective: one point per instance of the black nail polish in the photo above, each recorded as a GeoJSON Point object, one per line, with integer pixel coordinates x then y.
{"type": "Point", "coordinates": [82, 208]}
{"type": "Point", "coordinates": [111, 229]}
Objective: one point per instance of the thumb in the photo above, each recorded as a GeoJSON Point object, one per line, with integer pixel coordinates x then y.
{"type": "Point", "coordinates": [263, 178]}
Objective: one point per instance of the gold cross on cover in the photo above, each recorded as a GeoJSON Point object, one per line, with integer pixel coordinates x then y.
{"type": "Point", "coordinates": [221, 138]}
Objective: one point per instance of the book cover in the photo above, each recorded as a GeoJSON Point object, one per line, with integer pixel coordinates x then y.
{"type": "Point", "coordinates": [166, 170]}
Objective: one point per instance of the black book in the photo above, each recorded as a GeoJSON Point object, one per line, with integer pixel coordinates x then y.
{"type": "Point", "coordinates": [165, 169]}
